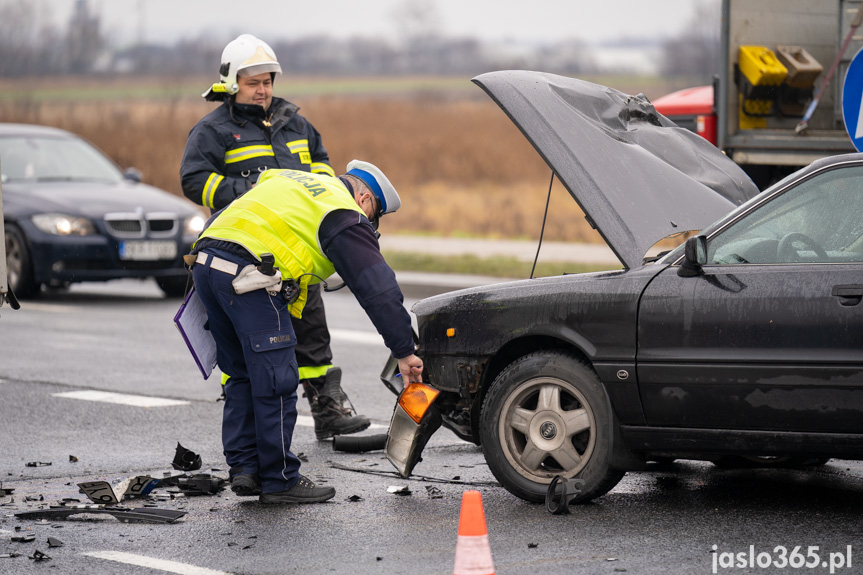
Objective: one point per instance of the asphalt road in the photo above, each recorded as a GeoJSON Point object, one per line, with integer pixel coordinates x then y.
{"type": "Point", "coordinates": [119, 338]}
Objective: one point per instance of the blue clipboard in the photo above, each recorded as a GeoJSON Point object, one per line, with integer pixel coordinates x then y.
{"type": "Point", "coordinates": [191, 321]}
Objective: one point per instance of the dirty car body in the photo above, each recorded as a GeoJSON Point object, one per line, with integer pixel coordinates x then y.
{"type": "Point", "coordinates": [743, 346]}
{"type": "Point", "coordinates": [71, 215]}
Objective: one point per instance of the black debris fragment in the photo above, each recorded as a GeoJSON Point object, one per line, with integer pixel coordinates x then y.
{"type": "Point", "coordinates": [39, 556]}
{"type": "Point", "coordinates": [532, 545]}
{"type": "Point", "coordinates": [302, 457]}
{"type": "Point", "coordinates": [354, 498]}
{"type": "Point", "coordinates": [34, 498]}
{"type": "Point", "coordinates": [52, 542]}
{"type": "Point", "coordinates": [456, 477]}
{"type": "Point", "coordinates": [186, 460]}
{"type": "Point", "coordinates": [4, 491]}
{"type": "Point", "coordinates": [38, 463]}
{"type": "Point", "coordinates": [124, 514]}
{"type": "Point", "coordinates": [201, 484]}
{"type": "Point", "coordinates": [359, 444]}
{"type": "Point", "coordinates": [9, 555]}
{"type": "Point", "coordinates": [433, 492]}
{"type": "Point", "coordinates": [73, 459]}
{"type": "Point", "coordinates": [395, 474]}
{"type": "Point", "coordinates": [379, 558]}
{"type": "Point", "coordinates": [560, 494]}
{"type": "Point", "coordinates": [24, 538]}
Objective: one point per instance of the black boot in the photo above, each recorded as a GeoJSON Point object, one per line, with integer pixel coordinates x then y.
{"type": "Point", "coordinates": [327, 400]}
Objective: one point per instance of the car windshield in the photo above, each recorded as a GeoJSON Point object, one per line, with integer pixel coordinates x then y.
{"type": "Point", "coordinates": [44, 158]}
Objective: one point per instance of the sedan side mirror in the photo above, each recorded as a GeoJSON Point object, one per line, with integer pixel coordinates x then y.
{"type": "Point", "coordinates": [133, 174]}
{"type": "Point", "coordinates": [694, 257]}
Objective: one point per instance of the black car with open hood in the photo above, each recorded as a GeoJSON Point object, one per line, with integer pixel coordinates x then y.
{"type": "Point", "coordinates": [743, 345]}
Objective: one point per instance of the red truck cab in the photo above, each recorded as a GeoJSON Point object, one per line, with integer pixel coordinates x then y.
{"type": "Point", "coordinates": [691, 108]}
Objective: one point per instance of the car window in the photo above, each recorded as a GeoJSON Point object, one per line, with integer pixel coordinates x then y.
{"type": "Point", "coordinates": [818, 221]}
{"type": "Point", "coordinates": [47, 159]}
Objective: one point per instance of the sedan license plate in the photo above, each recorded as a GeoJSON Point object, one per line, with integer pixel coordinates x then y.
{"type": "Point", "coordinates": [148, 250]}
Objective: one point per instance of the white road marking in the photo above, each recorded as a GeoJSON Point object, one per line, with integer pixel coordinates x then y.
{"type": "Point", "coordinates": [121, 398]}
{"type": "Point", "coordinates": [356, 336]}
{"type": "Point", "coordinates": [307, 421]}
{"type": "Point", "coordinates": [153, 563]}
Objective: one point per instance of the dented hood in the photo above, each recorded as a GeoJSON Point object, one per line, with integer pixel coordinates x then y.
{"type": "Point", "coordinates": [634, 173]}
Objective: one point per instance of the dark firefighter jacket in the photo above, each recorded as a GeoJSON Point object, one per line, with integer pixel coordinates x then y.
{"type": "Point", "coordinates": [229, 148]}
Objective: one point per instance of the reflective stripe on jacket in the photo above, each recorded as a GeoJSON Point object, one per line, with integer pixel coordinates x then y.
{"type": "Point", "coordinates": [225, 154]}
{"type": "Point", "coordinates": [282, 215]}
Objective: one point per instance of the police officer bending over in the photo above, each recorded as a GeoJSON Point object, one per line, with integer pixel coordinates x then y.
{"type": "Point", "coordinates": [225, 154]}
{"type": "Point", "coordinates": [299, 227]}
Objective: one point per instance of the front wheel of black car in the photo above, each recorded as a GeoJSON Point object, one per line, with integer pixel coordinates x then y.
{"type": "Point", "coordinates": [547, 414]}
{"type": "Point", "coordinates": [19, 265]}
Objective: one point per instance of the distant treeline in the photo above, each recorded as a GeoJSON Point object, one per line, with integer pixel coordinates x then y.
{"type": "Point", "coordinates": [30, 49]}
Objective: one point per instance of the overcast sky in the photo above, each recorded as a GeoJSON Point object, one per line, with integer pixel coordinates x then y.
{"type": "Point", "coordinates": [522, 20]}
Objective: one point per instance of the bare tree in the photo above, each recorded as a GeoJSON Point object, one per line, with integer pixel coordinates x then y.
{"type": "Point", "coordinates": [695, 52]}
{"type": "Point", "coordinates": [84, 40]}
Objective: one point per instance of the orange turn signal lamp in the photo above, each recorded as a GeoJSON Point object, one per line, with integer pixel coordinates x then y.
{"type": "Point", "coordinates": [450, 332]}
{"type": "Point", "coordinates": [416, 399]}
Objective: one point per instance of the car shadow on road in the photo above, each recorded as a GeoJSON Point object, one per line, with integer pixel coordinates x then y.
{"type": "Point", "coordinates": [830, 488]}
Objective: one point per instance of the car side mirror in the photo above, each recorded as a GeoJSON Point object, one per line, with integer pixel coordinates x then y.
{"type": "Point", "coordinates": [694, 257]}
{"type": "Point", "coordinates": [133, 174]}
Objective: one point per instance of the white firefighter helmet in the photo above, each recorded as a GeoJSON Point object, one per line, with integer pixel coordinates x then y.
{"type": "Point", "coordinates": [244, 56]}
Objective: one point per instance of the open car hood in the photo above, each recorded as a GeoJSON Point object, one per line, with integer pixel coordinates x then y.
{"type": "Point", "coordinates": [635, 174]}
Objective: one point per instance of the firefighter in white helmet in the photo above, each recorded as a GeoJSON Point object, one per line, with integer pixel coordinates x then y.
{"type": "Point", "coordinates": [252, 131]}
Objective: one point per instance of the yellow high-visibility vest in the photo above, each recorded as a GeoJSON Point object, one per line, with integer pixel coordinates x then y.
{"type": "Point", "coordinates": [282, 216]}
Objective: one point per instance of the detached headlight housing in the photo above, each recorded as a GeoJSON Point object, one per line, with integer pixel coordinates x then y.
{"type": "Point", "coordinates": [193, 225]}
{"type": "Point", "coordinates": [63, 225]}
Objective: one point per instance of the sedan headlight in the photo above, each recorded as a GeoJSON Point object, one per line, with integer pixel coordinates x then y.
{"type": "Point", "coordinates": [193, 225]}
{"type": "Point", "coordinates": [63, 225]}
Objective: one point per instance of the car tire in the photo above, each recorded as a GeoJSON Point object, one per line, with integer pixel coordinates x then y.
{"type": "Point", "coordinates": [547, 414]}
{"type": "Point", "coordinates": [19, 264]}
{"type": "Point", "coordinates": [174, 287]}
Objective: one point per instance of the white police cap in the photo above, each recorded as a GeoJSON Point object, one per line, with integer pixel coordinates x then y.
{"type": "Point", "coordinates": [378, 183]}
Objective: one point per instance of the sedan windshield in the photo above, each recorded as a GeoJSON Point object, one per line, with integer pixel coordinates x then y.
{"type": "Point", "coordinates": [43, 158]}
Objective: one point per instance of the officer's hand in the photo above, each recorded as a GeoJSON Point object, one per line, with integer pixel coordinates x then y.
{"type": "Point", "coordinates": [411, 368]}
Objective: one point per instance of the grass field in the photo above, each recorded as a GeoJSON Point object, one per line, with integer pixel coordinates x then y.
{"type": "Point", "coordinates": [460, 165]}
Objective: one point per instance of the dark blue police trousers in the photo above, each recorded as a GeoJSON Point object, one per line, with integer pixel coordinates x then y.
{"type": "Point", "coordinates": [254, 344]}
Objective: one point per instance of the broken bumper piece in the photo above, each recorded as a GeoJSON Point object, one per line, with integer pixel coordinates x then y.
{"type": "Point", "coordinates": [124, 514]}
{"type": "Point", "coordinates": [407, 437]}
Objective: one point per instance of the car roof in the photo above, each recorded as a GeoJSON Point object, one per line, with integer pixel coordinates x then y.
{"type": "Point", "coordinates": [636, 175]}
{"type": "Point", "coordinates": [11, 129]}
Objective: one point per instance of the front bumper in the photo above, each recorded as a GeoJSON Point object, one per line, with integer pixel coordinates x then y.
{"type": "Point", "coordinates": [60, 259]}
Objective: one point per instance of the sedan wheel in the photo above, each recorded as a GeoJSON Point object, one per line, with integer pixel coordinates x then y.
{"type": "Point", "coordinates": [547, 414]}
{"type": "Point", "coordinates": [19, 267]}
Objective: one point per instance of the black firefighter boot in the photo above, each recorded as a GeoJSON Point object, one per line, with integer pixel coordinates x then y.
{"type": "Point", "coordinates": [327, 400]}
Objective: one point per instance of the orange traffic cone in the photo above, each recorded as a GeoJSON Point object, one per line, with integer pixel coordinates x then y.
{"type": "Point", "coordinates": [472, 551]}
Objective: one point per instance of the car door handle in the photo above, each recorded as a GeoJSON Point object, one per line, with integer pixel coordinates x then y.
{"type": "Point", "coordinates": [849, 295]}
